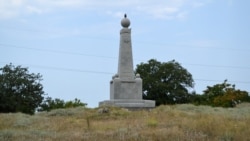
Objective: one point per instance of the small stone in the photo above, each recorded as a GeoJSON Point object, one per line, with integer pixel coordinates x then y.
{"type": "Point", "coordinates": [104, 110]}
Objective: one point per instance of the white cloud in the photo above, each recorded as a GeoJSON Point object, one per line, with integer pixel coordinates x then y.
{"type": "Point", "coordinates": [182, 15]}
{"type": "Point", "coordinates": [162, 9]}
{"type": "Point", "coordinates": [159, 11]}
{"type": "Point", "coordinates": [9, 8]}
{"type": "Point", "coordinates": [117, 14]}
{"type": "Point", "coordinates": [33, 9]}
{"type": "Point", "coordinates": [13, 8]}
{"type": "Point", "coordinates": [61, 3]}
{"type": "Point", "coordinates": [198, 4]}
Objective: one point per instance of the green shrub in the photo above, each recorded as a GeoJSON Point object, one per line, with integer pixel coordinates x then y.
{"type": "Point", "coordinates": [50, 104]}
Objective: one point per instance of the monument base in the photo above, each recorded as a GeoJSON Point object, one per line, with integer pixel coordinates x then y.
{"type": "Point", "coordinates": [129, 103]}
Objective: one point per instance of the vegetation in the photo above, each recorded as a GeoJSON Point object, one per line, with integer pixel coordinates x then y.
{"type": "Point", "coordinates": [224, 95]}
{"type": "Point", "coordinates": [172, 122]}
{"type": "Point", "coordinates": [166, 83]}
{"type": "Point", "coordinates": [50, 104]}
{"type": "Point", "coordinates": [221, 95]}
{"type": "Point", "coordinates": [20, 91]}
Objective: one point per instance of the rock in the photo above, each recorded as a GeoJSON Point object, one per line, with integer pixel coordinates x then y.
{"type": "Point", "coordinates": [103, 110]}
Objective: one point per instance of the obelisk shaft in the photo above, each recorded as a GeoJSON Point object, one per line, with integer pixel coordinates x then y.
{"type": "Point", "coordinates": [125, 64]}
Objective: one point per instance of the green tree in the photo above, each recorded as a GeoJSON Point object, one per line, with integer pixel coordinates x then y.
{"type": "Point", "coordinates": [20, 91]}
{"type": "Point", "coordinates": [166, 83]}
{"type": "Point", "coordinates": [224, 95]}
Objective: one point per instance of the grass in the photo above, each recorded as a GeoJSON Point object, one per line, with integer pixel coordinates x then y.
{"type": "Point", "coordinates": [173, 123]}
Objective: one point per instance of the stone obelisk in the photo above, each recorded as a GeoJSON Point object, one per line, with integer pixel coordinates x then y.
{"type": "Point", "coordinates": [125, 86]}
{"type": "Point", "coordinates": [125, 63]}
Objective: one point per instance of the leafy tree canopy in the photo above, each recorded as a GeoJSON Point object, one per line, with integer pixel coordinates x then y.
{"type": "Point", "coordinates": [165, 82]}
{"type": "Point", "coordinates": [224, 95]}
{"type": "Point", "coordinates": [20, 91]}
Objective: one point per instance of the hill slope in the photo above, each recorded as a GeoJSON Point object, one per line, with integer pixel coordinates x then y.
{"type": "Point", "coordinates": [177, 122]}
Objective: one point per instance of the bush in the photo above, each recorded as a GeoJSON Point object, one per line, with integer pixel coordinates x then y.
{"type": "Point", "coordinates": [224, 95]}
{"type": "Point", "coordinates": [50, 104]}
{"type": "Point", "coordinates": [231, 98]}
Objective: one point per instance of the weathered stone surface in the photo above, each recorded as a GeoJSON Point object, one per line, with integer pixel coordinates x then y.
{"type": "Point", "coordinates": [125, 87]}
{"type": "Point", "coordinates": [125, 63]}
{"type": "Point", "coordinates": [130, 103]}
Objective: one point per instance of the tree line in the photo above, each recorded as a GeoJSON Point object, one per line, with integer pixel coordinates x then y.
{"type": "Point", "coordinates": [22, 91]}
{"type": "Point", "coordinates": [169, 82]}
{"type": "Point", "coordinates": [164, 82]}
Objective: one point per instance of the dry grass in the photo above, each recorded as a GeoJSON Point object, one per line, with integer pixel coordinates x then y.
{"type": "Point", "coordinates": [179, 122]}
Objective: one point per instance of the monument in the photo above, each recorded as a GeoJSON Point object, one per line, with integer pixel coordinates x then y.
{"type": "Point", "coordinates": [125, 86]}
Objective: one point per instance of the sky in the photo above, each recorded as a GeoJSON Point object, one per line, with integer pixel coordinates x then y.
{"type": "Point", "coordinates": [74, 44]}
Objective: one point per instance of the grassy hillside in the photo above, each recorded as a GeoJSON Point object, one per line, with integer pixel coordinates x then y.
{"type": "Point", "coordinates": [178, 122]}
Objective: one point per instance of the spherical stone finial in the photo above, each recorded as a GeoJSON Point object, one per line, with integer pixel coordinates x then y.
{"type": "Point", "coordinates": [125, 21]}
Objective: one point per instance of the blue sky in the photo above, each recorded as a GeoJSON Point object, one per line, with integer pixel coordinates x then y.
{"type": "Point", "coordinates": [74, 43]}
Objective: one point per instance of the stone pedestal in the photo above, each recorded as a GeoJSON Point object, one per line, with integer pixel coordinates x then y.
{"type": "Point", "coordinates": [125, 87]}
{"type": "Point", "coordinates": [130, 104]}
